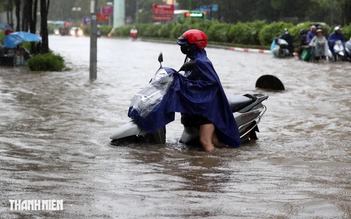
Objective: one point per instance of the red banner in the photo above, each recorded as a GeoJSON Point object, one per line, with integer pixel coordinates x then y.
{"type": "Point", "coordinates": [103, 17]}
{"type": "Point", "coordinates": [106, 9]}
{"type": "Point", "coordinates": [162, 12]}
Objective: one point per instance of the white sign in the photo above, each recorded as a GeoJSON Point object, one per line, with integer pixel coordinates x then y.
{"type": "Point", "coordinates": [92, 7]}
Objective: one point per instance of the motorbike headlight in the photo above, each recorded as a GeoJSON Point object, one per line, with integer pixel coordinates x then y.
{"type": "Point", "coordinates": [80, 32]}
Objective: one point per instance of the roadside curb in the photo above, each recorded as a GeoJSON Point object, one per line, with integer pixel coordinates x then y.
{"type": "Point", "coordinates": [238, 49]}
{"type": "Point", "coordinates": [263, 51]}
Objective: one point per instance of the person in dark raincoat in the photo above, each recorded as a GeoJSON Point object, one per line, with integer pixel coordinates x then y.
{"type": "Point", "coordinates": [199, 96]}
{"type": "Point", "coordinates": [204, 96]}
{"type": "Point", "coordinates": [334, 37]}
{"type": "Point", "coordinates": [289, 39]}
{"type": "Point", "coordinates": [311, 34]}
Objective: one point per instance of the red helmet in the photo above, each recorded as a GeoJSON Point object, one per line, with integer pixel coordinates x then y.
{"type": "Point", "coordinates": [193, 36]}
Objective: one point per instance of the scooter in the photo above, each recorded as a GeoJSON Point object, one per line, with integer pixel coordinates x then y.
{"type": "Point", "coordinates": [348, 50]}
{"type": "Point", "coordinates": [279, 48]}
{"type": "Point", "coordinates": [339, 51]}
{"type": "Point", "coordinates": [133, 34]}
{"type": "Point", "coordinates": [248, 110]}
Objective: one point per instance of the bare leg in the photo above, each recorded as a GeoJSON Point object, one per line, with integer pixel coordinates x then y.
{"type": "Point", "coordinates": [206, 135]}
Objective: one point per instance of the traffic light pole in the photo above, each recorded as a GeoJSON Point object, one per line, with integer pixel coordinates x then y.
{"type": "Point", "coordinates": [93, 40]}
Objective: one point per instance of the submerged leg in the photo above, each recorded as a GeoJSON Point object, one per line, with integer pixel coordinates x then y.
{"type": "Point", "coordinates": [217, 143]}
{"type": "Point", "coordinates": [208, 138]}
{"type": "Point", "coordinates": [206, 135]}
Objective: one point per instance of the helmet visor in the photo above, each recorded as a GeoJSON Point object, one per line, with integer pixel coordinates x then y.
{"type": "Point", "coordinates": [182, 41]}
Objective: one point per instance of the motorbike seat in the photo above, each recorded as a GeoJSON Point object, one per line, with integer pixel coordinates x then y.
{"type": "Point", "coordinates": [239, 102]}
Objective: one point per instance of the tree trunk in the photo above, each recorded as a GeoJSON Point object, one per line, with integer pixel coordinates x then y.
{"type": "Point", "coordinates": [32, 24]}
{"type": "Point", "coordinates": [18, 14]}
{"type": "Point", "coordinates": [26, 13]}
{"type": "Point", "coordinates": [346, 12]}
{"type": "Point", "coordinates": [44, 10]}
{"type": "Point", "coordinates": [9, 12]}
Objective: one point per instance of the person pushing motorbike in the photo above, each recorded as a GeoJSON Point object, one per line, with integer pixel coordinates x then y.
{"type": "Point", "coordinates": [202, 100]}
{"type": "Point", "coordinates": [198, 95]}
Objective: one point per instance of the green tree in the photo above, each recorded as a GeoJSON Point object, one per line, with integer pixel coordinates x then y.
{"type": "Point", "coordinates": [329, 11]}
{"type": "Point", "coordinates": [70, 10]}
{"type": "Point", "coordinates": [145, 10]}
{"type": "Point", "coordinates": [332, 11]}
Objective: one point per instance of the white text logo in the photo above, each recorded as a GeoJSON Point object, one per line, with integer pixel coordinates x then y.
{"type": "Point", "coordinates": [36, 205]}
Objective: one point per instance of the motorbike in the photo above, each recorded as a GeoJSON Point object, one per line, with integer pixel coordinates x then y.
{"type": "Point", "coordinates": [247, 109]}
{"type": "Point", "coordinates": [348, 50]}
{"type": "Point", "coordinates": [133, 34]}
{"type": "Point", "coordinates": [339, 51]}
{"type": "Point", "coordinates": [279, 48]}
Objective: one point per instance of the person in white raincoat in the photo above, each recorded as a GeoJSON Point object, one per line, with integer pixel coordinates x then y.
{"type": "Point", "coordinates": [319, 45]}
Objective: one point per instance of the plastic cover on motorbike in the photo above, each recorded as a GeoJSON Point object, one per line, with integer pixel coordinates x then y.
{"type": "Point", "coordinates": [348, 47]}
{"type": "Point", "coordinates": [277, 45]}
{"type": "Point", "coordinates": [149, 97]}
{"type": "Point", "coordinates": [199, 94]}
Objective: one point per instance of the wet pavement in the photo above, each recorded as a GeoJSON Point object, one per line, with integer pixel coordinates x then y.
{"type": "Point", "coordinates": [55, 129]}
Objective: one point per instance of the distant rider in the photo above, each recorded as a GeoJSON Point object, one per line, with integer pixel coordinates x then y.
{"type": "Point", "coordinates": [311, 34]}
{"type": "Point", "coordinates": [334, 37]}
{"type": "Point", "coordinates": [289, 39]}
{"type": "Point", "coordinates": [133, 33]}
{"type": "Point", "coordinates": [319, 45]}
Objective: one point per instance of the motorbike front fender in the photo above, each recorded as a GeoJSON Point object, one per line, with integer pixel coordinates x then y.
{"type": "Point", "coordinates": [127, 130]}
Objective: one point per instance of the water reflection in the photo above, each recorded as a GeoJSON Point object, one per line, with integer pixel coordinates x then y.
{"type": "Point", "coordinates": [196, 171]}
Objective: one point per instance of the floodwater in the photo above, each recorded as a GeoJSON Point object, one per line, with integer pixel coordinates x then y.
{"type": "Point", "coordinates": [55, 129]}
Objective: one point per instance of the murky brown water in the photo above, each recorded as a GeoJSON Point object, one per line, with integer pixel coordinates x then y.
{"type": "Point", "coordinates": [55, 129]}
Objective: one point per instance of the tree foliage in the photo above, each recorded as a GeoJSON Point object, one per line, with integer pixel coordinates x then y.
{"type": "Point", "coordinates": [46, 62]}
{"type": "Point", "coordinates": [256, 34]}
{"type": "Point", "coordinates": [330, 11]}
{"type": "Point", "coordinates": [44, 11]}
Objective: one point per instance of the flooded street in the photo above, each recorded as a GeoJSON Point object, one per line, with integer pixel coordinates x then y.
{"type": "Point", "coordinates": [55, 129]}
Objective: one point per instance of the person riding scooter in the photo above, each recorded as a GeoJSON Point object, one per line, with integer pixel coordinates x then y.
{"type": "Point", "coordinates": [289, 39]}
{"type": "Point", "coordinates": [335, 37]}
{"type": "Point", "coordinates": [133, 33]}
